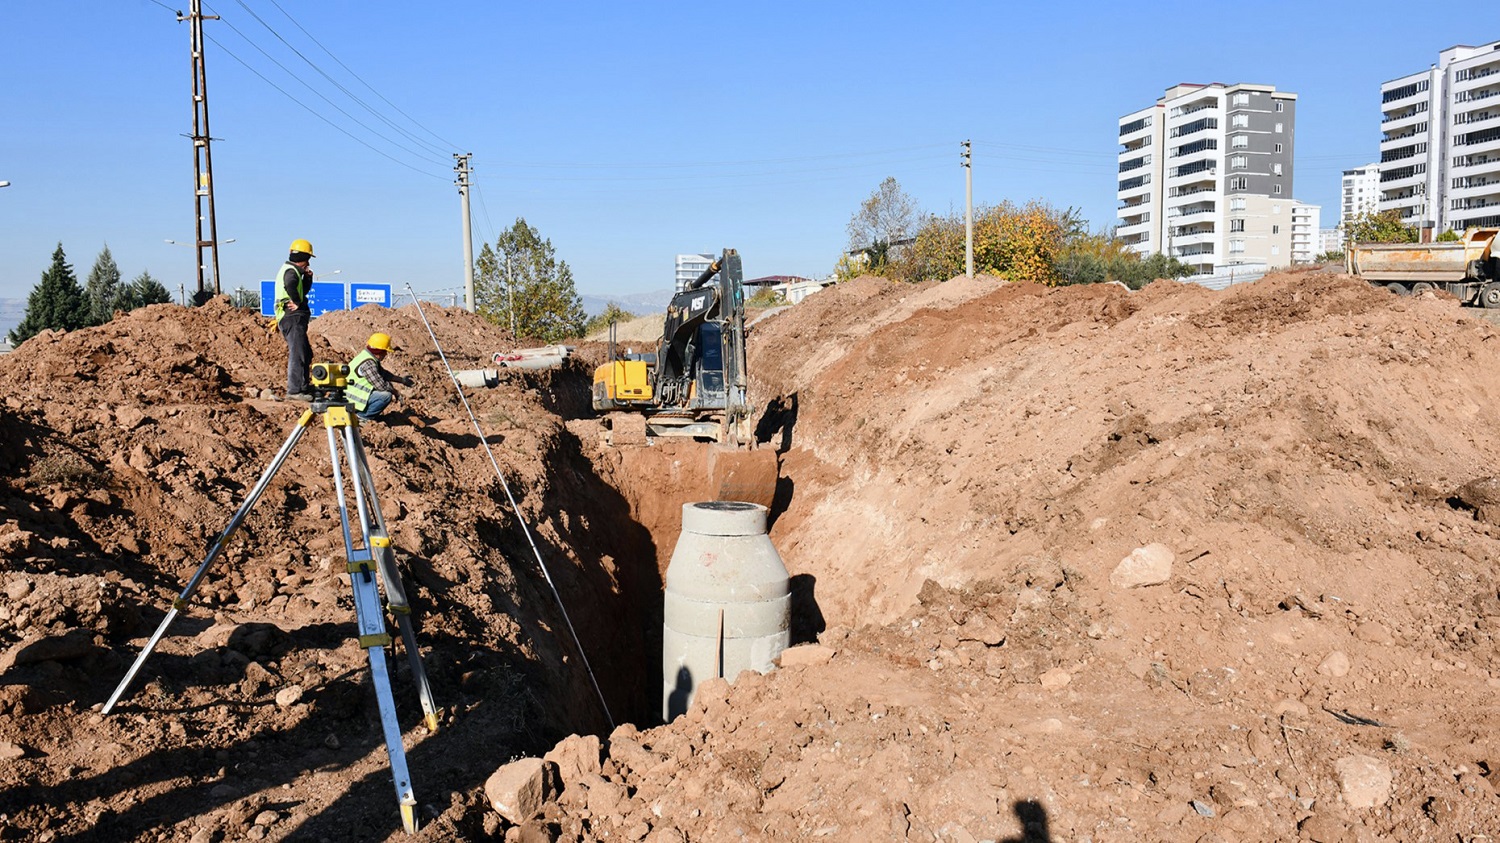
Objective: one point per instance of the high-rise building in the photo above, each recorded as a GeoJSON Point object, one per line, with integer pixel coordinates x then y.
{"type": "Point", "coordinates": [1440, 141]}
{"type": "Point", "coordinates": [689, 267]}
{"type": "Point", "coordinates": [1205, 175]}
{"type": "Point", "coordinates": [1305, 221]}
{"type": "Point", "coordinates": [1359, 191]}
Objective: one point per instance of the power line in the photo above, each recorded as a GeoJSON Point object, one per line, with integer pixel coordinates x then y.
{"type": "Point", "coordinates": [448, 143]}
{"type": "Point", "coordinates": [319, 94]}
{"type": "Point", "coordinates": [335, 82]}
{"type": "Point", "coordinates": [318, 115]}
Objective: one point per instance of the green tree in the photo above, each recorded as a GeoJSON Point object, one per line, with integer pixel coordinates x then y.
{"type": "Point", "coordinates": [102, 290]}
{"type": "Point", "coordinates": [522, 280]}
{"type": "Point", "coordinates": [1382, 227]}
{"type": "Point", "coordinates": [612, 313]}
{"type": "Point", "coordinates": [142, 291]}
{"type": "Point", "coordinates": [1448, 236]}
{"type": "Point", "coordinates": [1329, 257]}
{"type": "Point", "coordinates": [55, 303]}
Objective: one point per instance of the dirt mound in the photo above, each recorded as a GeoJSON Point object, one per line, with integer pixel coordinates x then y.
{"type": "Point", "coordinates": [1080, 563]}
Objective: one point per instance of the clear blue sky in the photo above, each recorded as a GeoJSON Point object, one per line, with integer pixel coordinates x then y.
{"type": "Point", "coordinates": [625, 132]}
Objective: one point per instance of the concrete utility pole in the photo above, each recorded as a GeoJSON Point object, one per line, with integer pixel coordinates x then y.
{"type": "Point", "coordinates": [968, 163]}
{"type": "Point", "coordinates": [462, 168]}
{"type": "Point", "coordinates": [203, 159]}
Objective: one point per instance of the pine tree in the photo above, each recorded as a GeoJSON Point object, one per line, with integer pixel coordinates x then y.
{"type": "Point", "coordinates": [102, 291]}
{"type": "Point", "coordinates": [526, 279]}
{"type": "Point", "coordinates": [55, 303]}
{"type": "Point", "coordinates": [142, 291]}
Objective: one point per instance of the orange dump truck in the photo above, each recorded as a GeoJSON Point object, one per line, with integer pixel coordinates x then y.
{"type": "Point", "coordinates": [1467, 268]}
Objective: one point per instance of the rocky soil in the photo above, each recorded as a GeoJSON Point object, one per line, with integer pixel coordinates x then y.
{"type": "Point", "coordinates": [1068, 565]}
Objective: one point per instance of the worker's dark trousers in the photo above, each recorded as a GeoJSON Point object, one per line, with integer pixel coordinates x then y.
{"type": "Point", "coordinates": [298, 351]}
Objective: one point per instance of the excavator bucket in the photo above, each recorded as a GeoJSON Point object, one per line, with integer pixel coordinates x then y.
{"type": "Point", "coordinates": [740, 474]}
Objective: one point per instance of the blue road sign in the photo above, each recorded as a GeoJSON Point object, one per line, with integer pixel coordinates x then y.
{"type": "Point", "coordinates": [361, 294]}
{"type": "Point", "coordinates": [327, 295]}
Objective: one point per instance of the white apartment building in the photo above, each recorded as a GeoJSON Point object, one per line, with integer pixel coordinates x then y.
{"type": "Point", "coordinates": [689, 267]}
{"type": "Point", "coordinates": [1440, 141]}
{"type": "Point", "coordinates": [1330, 240]}
{"type": "Point", "coordinates": [1205, 175]}
{"type": "Point", "coordinates": [1305, 241]}
{"type": "Point", "coordinates": [1359, 191]}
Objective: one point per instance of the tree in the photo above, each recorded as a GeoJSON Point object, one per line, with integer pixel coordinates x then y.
{"type": "Point", "coordinates": [612, 313]}
{"type": "Point", "coordinates": [55, 303]}
{"type": "Point", "coordinates": [1017, 243]}
{"type": "Point", "coordinates": [103, 288]}
{"type": "Point", "coordinates": [521, 279]}
{"type": "Point", "coordinates": [1448, 236]}
{"type": "Point", "coordinates": [1378, 227]}
{"type": "Point", "coordinates": [887, 217]}
{"type": "Point", "coordinates": [142, 291]}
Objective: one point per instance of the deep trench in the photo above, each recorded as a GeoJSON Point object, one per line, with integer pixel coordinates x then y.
{"type": "Point", "coordinates": [624, 510]}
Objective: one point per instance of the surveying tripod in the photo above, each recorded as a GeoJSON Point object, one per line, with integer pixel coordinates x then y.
{"type": "Point", "coordinates": [363, 564]}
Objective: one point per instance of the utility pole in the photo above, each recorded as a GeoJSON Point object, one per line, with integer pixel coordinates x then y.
{"type": "Point", "coordinates": [462, 168]}
{"type": "Point", "coordinates": [968, 211]}
{"type": "Point", "coordinates": [203, 159]}
{"type": "Point", "coordinates": [510, 290]}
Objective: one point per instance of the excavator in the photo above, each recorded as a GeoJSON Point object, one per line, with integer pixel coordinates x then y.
{"type": "Point", "coordinates": [694, 384]}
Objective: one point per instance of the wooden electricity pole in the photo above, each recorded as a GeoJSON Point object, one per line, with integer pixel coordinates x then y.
{"type": "Point", "coordinates": [203, 159]}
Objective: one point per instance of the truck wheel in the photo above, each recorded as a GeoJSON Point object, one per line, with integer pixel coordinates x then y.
{"type": "Point", "coordinates": [1489, 295]}
{"type": "Point", "coordinates": [1398, 288]}
{"type": "Point", "coordinates": [1421, 287]}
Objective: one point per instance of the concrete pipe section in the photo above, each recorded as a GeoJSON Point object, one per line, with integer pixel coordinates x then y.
{"type": "Point", "coordinates": [727, 600]}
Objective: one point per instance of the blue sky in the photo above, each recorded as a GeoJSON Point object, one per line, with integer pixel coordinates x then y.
{"type": "Point", "coordinates": [625, 132]}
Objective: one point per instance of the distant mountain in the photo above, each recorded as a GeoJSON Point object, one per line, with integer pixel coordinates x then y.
{"type": "Point", "coordinates": [12, 311]}
{"type": "Point", "coordinates": [637, 303]}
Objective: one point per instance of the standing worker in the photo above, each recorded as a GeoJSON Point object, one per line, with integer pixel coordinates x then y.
{"type": "Point", "coordinates": [293, 283]}
{"type": "Point", "coordinates": [369, 388]}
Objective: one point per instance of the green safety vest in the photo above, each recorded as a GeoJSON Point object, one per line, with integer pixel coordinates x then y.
{"type": "Point", "coordinates": [357, 389]}
{"type": "Point", "coordinates": [282, 297]}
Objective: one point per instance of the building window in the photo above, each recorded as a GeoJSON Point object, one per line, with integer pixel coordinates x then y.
{"type": "Point", "coordinates": [1278, 148]}
{"type": "Point", "coordinates": [1275, 169]}
{"type": "Point", "coordinates": [1239, 183]}
{"type": "Point", "coordinates": [1276, 189]}
{"type": "Point", "coordinates": [1237, 162]}
{"type": "Point", "coordinates": [1278, 128]}
{"type": "Point", "coordinates": [1236, 225]}
{"type": "Point", "coordinates": [1240, 121]}
{"type": "Point", "coordinates": [1237, 204]}
{"type": "Point", "coordinates": [1275, 250]}
{"type": "Point", "coordinates": [1242, 99]}
{"type": "Point", "coordinates": [1275, 229]}
{"type": "Point", "coordinates": [1281, 106]}
{"type": "Point", "coordinates": [1236, 246]}
{"type": "Point", "coordinates": [1276, 209]}
{"type": "Point", "coordinates": [1239, 141]}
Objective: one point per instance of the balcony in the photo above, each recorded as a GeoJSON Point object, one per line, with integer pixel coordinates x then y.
{"type": "Point", "coordinates": [1199, 125]}
{"type": "Point", "coordinates": [1392, 120]}
{"type": "Point", "coordinates": [1194, 108]}
{"type": "Point", "coordinates": [1133, 229]}
{"type": "Point", "coordinates": [1134, 163]}
{"type": "Point", "coordinates": [1402, 153]}
{"type": "Point", "coordinates": [1140, 182]}
{"type": "Point", "coordinates": [1480, 141]}
{"type": "Point", "coordinates": [1405, 92]}
{"type": "Point", "coordinates": [1411, 132]}
{"type": "Point", "coordinates": [1189, 190]}
{"type": "Point", "coordinates": [1135, 126]}
{"type": "Point", "coordinates": [1188, 150]}
{"type": "Point", "coordinates": [1473, 77]}
{"type": "Point", "coordinates": [1186, 213]}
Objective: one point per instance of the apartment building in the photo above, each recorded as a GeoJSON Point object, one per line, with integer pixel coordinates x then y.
{"type": "Point", "coordinates": [689, 267]}
{"type": "Point", "coordinates": [1440, 141]}
{"type": "Point", "coordinates": [1359, 191]}
{"type": "Point", "coordinates": [1305, 240]}
{"type": "Point", "coordinates": [1205, 175]}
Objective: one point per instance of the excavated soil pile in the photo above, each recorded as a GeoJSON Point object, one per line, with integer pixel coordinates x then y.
{"type": "Point", "coordinates": [1080, 565]}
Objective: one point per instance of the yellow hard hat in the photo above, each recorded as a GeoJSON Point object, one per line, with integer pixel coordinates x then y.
{"type": "Point", "coordinates": [379, 342]}
{"type": "Point", "coordinates": [303, 246]}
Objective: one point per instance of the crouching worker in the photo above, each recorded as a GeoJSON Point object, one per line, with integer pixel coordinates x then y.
{"type": "Point", "coordinates": [369, 386]}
